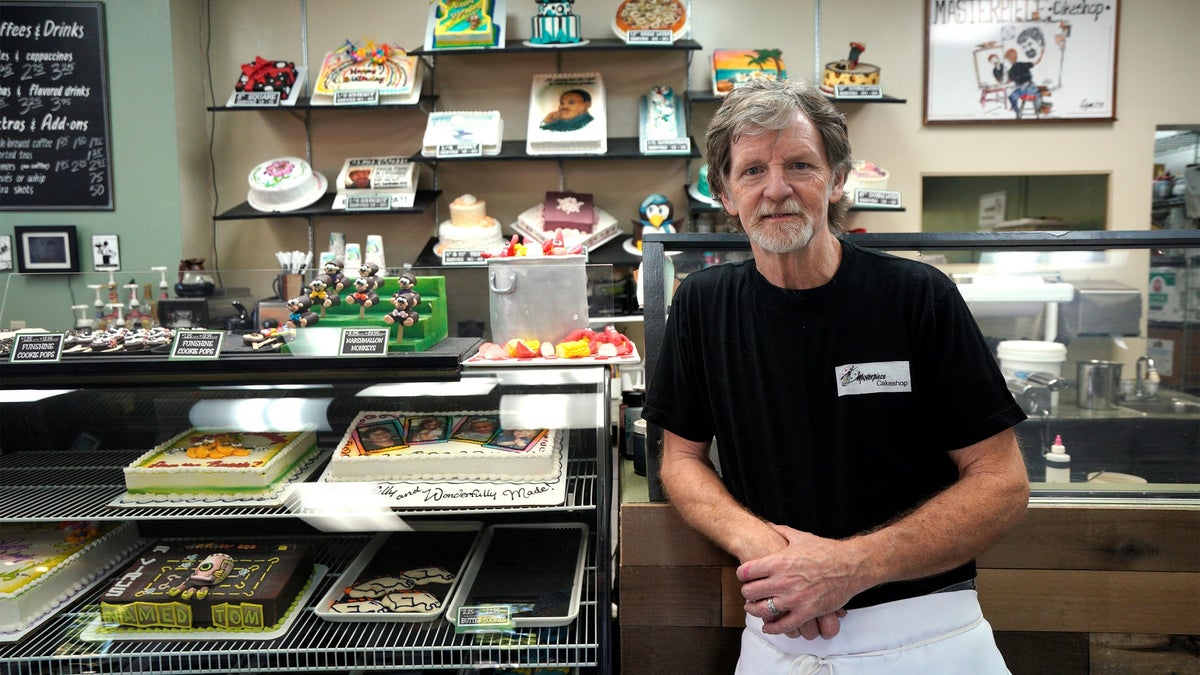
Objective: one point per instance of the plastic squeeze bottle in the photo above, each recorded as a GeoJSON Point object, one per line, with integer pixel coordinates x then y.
{"type": "Point", "coordinates": [1058, 463]}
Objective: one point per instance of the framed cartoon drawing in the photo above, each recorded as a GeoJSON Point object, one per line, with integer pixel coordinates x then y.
{"type": "Point", "coordinates": [1009, 63]}
{"type": "Point", "coordinates": [106, 253]}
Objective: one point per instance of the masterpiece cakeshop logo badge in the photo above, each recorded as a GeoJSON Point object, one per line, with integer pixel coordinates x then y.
{"type": "Point", "coordinates": [873, 378]}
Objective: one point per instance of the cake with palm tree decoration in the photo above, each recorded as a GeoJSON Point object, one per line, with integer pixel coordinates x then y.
{"type": "Point", "coordinates": [734, 67]}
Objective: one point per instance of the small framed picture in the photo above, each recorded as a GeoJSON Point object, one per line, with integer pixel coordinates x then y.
{"type": "Point", "coordinates": [516, 440]}
{"type": "Point", "coordinates": [373, 438]}
{"type": "Point", "coordinates": [5, 252]}
{"type": "Point", "coordinates": [47, 249]}
{"type": "Point", "coordinates": [106, 253]}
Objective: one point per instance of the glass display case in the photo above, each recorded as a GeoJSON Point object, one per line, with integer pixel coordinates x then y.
{"type": "Point", "coordinates": [69, 427]}
{"type": "Point", "coordinates": [1120, 305]}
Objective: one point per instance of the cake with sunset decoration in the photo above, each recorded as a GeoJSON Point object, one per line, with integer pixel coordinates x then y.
{"type": "Point", "coordinates": [849, 71]}
{"type": "Point", "coordinates": [219, 463]}
{"type": "Point", "coordinates": [441, 446]}
{"type": "Point", "coordinates": [45, 565]}
{"type": "Point", "coordinates": [571, 215]}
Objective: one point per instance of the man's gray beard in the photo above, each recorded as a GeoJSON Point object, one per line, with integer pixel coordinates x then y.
{"type": "Point", "coordinates": [784, 238]}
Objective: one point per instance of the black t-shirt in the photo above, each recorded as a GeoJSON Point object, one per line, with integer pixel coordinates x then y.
{"type": "Point", "coordinates": [833, 408]}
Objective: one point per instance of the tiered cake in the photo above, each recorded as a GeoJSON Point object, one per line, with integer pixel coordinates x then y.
{"type": "Point", "coordinates": [555, 24]}
{"type": "Point", "coordinates": [470, 227]}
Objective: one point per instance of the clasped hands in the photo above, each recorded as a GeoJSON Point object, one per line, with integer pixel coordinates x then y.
{"type": "Point", "coordinates": [806, 583]}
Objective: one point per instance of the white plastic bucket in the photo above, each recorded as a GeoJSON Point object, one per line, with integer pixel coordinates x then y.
{"type": "Point", "coordinates": [1019, 358]}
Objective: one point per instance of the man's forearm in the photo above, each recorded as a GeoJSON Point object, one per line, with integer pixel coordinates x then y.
{"type": "Point", "coordinates": [698, 494]}
{"type": "Point", "coordinates": [954, 526]}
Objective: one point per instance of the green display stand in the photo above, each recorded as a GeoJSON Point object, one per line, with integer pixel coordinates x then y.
{"type": "Point", "coordinates": [432, 328]}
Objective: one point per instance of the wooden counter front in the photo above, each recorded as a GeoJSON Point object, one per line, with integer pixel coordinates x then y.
{"type": "Point", "coordinates": [1055, 589]}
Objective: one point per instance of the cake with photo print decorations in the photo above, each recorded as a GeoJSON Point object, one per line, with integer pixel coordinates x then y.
{"type": "Point", "coordinates": [45, 565]}
{"type": "Point", "coordinates": [230, 586]}
{"type": "Point", "coordinates": [441, 446]}
{"type": "Point", "coordinates": [219, 463]}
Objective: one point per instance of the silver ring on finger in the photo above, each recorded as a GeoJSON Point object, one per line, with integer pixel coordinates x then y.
{"type": "Point", "coordinates": [771, 607]}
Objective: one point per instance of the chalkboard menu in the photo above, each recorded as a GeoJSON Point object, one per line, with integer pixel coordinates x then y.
{"type": "Point", "coordinates": [54, 127]}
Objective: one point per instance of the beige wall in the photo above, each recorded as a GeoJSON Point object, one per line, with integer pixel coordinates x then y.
{"type": "Point", "coordinates": [1151, 31]}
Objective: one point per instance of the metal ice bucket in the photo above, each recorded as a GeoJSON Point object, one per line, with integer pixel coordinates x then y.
{"type": "Point", "coordinates": [542, 297]}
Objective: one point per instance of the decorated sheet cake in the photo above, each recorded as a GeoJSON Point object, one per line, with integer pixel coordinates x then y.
{"type": "Point", "coordinates": [227, 586]}
{"type": "Point", "coordinates": [44, 565]}
{"type": "Point", "coordinates": [460, 445]}
{"type": "Point", "coordinates": [219, 462]}
{"type": "Point", "coordinates": [370, 67]}
{"type": "Point", "coordinates": [403, 576]}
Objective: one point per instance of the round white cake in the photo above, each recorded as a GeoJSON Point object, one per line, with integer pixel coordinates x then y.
{"type": "Point", "coordinates": [469, 227]}
{"type": "Point", "coordinates": [866, 176]}
{"type": "Point", "coordinates": [284, 184]}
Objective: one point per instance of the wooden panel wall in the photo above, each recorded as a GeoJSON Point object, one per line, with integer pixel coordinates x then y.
{"type": "Point", "coordinates": [1067, 591]}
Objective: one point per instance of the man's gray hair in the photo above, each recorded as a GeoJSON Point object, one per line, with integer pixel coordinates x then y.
{"type": "Point", "coordinates": [762, 106]}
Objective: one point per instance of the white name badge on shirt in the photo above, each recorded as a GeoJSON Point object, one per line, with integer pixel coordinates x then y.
{"type": "Point", "coordinates": [873, 378]}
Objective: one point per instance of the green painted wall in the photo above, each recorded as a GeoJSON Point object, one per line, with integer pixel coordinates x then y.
{"type": "Point", "coordinates": [145, 161]}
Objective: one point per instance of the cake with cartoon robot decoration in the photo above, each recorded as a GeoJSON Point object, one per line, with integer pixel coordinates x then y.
{"type": "Point", "coordinates": [186, 586]}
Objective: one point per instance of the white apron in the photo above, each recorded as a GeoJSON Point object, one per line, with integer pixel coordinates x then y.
{"type": "Point", "coordinates": [935, 634]}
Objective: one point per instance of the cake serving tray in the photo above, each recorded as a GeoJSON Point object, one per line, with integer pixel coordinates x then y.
{"type": "Point", "coordinates": [477, 361]}
{"type": "Point", "coordinates": [367, 555]}
{"type": "Point", "coordinates": [505, 570]}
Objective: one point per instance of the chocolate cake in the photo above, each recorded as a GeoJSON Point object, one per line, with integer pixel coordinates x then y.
{"type": "Point", "coordinates": [224, 585]}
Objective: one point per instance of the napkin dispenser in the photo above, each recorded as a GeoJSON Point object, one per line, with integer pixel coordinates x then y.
{"type": "Point", "coordinates": [1101, 308]}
